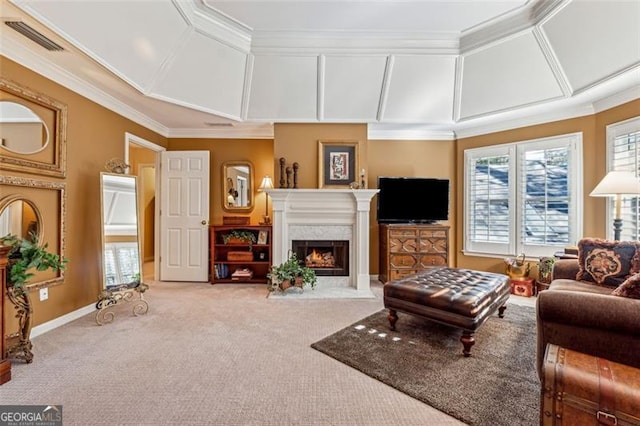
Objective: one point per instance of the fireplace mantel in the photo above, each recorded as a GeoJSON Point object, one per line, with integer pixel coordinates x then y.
{"type": "Point", "coordinates": [322, 212]}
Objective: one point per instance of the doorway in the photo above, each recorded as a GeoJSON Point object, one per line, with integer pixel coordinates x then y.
{"type": "Point", "coordinates": [143, 159]}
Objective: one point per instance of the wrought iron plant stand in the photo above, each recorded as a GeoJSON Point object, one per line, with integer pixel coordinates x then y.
{"type": "Point", "coordinates": [113, 296]}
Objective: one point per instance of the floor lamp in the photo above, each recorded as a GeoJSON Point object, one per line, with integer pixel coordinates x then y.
{"type": "Point", "coordinates": [616, 184]}
{"type": "Point", "coordinates": [267, 183]}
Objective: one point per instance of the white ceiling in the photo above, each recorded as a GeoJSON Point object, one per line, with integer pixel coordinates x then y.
{"type": "Point", "coordinates": [411, 69]}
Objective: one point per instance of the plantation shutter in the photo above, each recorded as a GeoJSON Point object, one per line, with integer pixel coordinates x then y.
{"type": "Point", "coordinates": [545, 196]}
{"type": "Point", "coordinates": [625, 156]}
{"type": "Point", "coordinates": [523, 197]}
{"type": "Point", "coordinates": [489, 202]}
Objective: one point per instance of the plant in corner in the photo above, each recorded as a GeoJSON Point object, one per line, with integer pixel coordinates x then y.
{"type": "Point", "coordinates": [290, 273]}
{"type": "Point", "coordinates": [25, 256]}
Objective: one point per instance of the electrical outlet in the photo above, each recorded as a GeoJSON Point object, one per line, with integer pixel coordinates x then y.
{"type": "Point", "coordinates": [44, 294]}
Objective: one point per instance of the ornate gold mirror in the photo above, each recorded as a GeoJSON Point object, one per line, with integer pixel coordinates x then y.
{"type": "Point", "coordinates": [22, 131]}
{"type": "Point", "coordinates": [120, 229]}
{"type": "Point", "coordinates": [20, 217]}
{"type": "Point", "coordinates": [30, 205]}
{"type": "Point", "coordinates": [33, 129]}
{"type": "Point", "coordinates": [237, 186]}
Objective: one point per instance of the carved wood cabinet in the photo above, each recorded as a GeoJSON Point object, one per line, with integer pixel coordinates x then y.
{"type": "Point", "coordinates": [409, 249]}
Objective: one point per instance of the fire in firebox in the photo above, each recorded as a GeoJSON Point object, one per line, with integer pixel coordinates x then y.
{"type": "Point", "coordinates": [317, 259]}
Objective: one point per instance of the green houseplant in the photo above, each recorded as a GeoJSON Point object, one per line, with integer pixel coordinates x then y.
{"type": "Point", "coordinates": [25, 256]}
{"type": "Point", "coordinates": [291, 273]}
{"type": "Point", "coordinates": [239, 236]}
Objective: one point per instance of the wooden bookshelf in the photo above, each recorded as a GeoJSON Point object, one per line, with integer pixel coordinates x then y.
{"type": "Point", "coordinates": [228, 255]}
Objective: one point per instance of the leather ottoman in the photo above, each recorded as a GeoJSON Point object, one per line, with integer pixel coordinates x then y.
{"type": "Point", "coordinates": [461, 298]}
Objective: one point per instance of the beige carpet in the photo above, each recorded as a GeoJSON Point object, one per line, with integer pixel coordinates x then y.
{"type": "Point", "coordinates": [211, 355]}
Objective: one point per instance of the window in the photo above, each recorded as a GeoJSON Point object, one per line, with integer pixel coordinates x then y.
{"type": "Point", "coordinates": [623, 153]}
{"type": "Point", "coordinates": [523, 197]}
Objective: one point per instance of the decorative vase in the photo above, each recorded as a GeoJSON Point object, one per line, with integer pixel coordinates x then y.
{"type": "Point", "coordinates": [236, 241]}
{"type": "Point", "coordinates": [299, 282]}
{"type": "Point", "coordinates": [285, 284]}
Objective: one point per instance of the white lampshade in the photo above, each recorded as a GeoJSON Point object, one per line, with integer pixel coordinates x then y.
{"type": "Point", "coordinates": [267, 183]}
{"type": "Point", "coordinates": [617, 182]}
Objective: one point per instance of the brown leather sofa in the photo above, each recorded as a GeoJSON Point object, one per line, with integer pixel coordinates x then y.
{"type": "Point", "coordinates": [587, 318]}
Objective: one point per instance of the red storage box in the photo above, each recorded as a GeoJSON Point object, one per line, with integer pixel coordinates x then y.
{"type": "Point", "coordinates": [524, 287]}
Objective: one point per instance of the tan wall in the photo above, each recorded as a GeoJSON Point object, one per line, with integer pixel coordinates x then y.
{"type": "Point", "coordinates": [593, 129]}
{"type": "Point", "coordinates": [94, 136]}
{"type": "Point", "coordinates": [258, 151]}
{"type": "Point", "coordinates": [434, 159]}
{"type": "Point", "coordinates": [299, 143]}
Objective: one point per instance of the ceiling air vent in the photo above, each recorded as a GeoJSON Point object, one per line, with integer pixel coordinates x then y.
{"type": "Point", "coordinates": [34, 35]}
{"type": "Point", "coordinates": [212, 124]}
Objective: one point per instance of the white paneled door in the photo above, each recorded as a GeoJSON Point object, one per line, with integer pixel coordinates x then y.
{"type": "Point", "coordinates": [184, 215]}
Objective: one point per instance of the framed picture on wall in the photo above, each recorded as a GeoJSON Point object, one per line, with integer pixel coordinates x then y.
{"type": "Point", "coordinates": [337, 163]}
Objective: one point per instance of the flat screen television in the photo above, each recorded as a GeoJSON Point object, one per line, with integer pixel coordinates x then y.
{"type": "Point", "coordinates": [412, 199]}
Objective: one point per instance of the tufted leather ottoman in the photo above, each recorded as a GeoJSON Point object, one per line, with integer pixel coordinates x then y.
{"type": "Point", "coordinates": [461, 298]}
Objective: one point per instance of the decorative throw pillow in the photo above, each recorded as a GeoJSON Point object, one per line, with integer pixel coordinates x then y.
{"type": "Point", "coordinates": [606, 262]}
{"type": "Point", "coordinates": [629, 288]}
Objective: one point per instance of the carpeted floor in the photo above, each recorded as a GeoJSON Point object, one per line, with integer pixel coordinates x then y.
{"type": "Point", "coordinates": [497, 385]}
{"type": "Point", "coordinates": [222, 355]}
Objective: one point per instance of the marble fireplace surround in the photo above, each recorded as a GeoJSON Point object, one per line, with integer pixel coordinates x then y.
{"type": "Point", "coordinates": [326, 214]}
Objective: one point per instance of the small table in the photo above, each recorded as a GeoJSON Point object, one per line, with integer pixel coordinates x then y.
{"type": "Point", "coordinates": [461, 298]}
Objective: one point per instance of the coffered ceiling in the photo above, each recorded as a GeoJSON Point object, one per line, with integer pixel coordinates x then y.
{"type": "Point", "coordinates": [411, 69]}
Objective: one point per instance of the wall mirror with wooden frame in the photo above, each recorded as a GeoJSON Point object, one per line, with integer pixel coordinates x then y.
{"type": "Point", "coordinates": [120, 230]}
{"type": "Point", "coordinates": [32, 131]}
{"type": "Point", "coordinates": [237, 186]}
{"type": "Point", "coordinates": [29, 205]}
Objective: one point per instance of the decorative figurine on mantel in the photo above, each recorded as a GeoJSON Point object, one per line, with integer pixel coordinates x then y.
{"type": "Point", "coordinates": [288, 171]}
{"type": "Point", "coordinates": [359, 185]}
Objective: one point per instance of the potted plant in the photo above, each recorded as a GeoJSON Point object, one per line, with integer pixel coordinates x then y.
{"type": "Point", "coordinates": [291, 273]}
{"type": "Point", "coordinates": [239, 236]}
{"type": "Point", "coordinates": [25, 256]}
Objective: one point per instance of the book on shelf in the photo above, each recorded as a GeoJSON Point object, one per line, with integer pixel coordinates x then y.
{"type": "Point", "coordinates": [242, 274]}
{"type": "Point", "coordinates": [221, 271]}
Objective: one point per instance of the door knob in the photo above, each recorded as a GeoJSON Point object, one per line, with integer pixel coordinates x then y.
{"type": "Point", "coordinates": [204, 222]}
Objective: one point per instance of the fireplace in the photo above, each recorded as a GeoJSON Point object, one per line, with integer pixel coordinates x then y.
{"type": "Point", "coordinates": [325, 257]}
{"type": "Point", "coordinates": [320, 215]}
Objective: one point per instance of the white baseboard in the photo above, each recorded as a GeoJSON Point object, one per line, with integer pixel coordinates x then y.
{"type": "Point", "coordinates": [55, 323]}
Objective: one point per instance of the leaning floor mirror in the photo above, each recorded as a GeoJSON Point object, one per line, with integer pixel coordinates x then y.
{"type": "Point", "coordinates": [120, 230]}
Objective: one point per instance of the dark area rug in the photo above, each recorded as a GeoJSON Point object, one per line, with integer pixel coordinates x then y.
{"type": "Point", "coordinates": [496, 385]}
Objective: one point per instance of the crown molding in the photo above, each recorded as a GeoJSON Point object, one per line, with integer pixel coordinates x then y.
{"type": "Point", "coordinates": [241, 131]}
{"type": "Point", "coordinates": [515, 21]}
{"type": "Point", "coordinates": [192, 106]}
{"type": "Point", "coordinates": [216, 24]}
{"type": "Point", "coordinates": [498, 124]}
{"type": "Point", "coordinates": [40, 65]}
{"type": "Point", "coordinates": [353, 42]}
{"type": "Point", "coordinates": [622, 97]}
{"type": "Point", "coordinates": [376, 131]}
